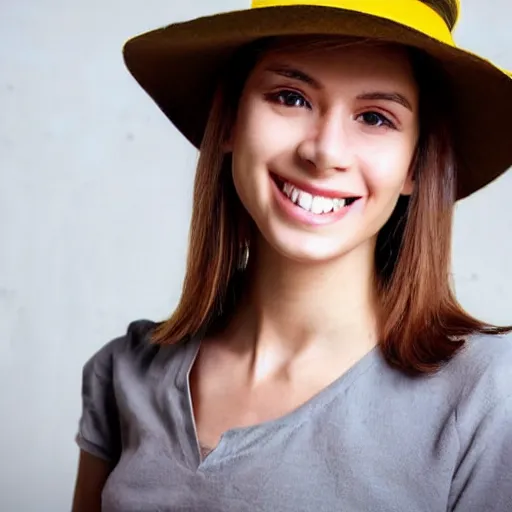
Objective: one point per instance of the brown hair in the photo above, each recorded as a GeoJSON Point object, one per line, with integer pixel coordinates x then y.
{"type": "Point", "coordinates": [421, 324]}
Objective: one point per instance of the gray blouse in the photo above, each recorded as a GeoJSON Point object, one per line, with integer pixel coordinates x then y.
{"type": "Point", "coordinates": [374, 440]}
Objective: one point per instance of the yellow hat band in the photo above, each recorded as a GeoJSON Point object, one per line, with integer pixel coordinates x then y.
{"type": "Point", "coordinates": [411, 13]}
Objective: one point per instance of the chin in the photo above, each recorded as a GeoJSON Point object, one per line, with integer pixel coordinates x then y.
{"type": "Point", "coordinates": [307, 248]}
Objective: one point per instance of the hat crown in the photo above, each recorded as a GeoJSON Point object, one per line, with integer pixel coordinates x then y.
{"type": "Point", "coordinates": [446, 10]}
{"type": "Point", "coordinates": [419, 15]}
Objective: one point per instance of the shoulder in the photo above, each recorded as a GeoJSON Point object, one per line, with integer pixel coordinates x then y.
{"type": "Point", "coordinates": [134, 351]}
{"type": "Point", "coordinates": [134, 344]}
{"type": "Point", "coordinates": [485, 364]}
{"type": "Point", "coordinates": [483, 415]}
{"type": "Point", "coordinates": [481, 374]}
{"type": "Point", "coordinates": [98, 431]}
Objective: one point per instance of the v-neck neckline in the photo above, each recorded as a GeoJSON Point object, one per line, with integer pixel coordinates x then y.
{"type": "Point", "coordinates": [294, 417]}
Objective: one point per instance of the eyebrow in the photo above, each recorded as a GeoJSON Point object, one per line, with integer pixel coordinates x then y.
{"type": "Point", "coordinates": [387, 96]}
{"type": "Point", "coordinates": [297, 74]}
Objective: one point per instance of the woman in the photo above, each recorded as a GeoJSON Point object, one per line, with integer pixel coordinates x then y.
{"type": "Point", "coordinates": [318, 359]}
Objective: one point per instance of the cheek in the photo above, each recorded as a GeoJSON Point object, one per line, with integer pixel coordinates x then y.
{"type": "Point", "coordinates": [265, 134]}
{"type": "Point", "coordinates": [248, 141]}
{"type": "Point", "coordinates": [261, 139]}
{"type": "Point", "coordinates": [250, 149]}
{"type": "Point", "coordinates": [245, 148]}
{"type": "Point", "coordinates": [386, 169]}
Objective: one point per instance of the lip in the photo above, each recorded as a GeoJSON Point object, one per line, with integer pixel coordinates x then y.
{"type": "Point", "coordinates": [297, 214]}
{"type": "Point", "coordinates": [315, 191]}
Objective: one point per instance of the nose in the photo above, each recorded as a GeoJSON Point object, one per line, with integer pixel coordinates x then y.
{"type": "Point", "coordinates": [329, 148]}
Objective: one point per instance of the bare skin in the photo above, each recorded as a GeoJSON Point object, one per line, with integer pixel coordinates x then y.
{"type": "Point", "coordinates": [310, 313]}
{"type": "Point", "coordinates": [92, 475]}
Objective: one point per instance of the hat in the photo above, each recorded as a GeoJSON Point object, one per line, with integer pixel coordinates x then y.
{"type": "Point", "coordinates": [178, 66]}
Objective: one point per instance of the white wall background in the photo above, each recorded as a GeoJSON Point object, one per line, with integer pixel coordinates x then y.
{"type": "Point", "coordinates": [95, 189]}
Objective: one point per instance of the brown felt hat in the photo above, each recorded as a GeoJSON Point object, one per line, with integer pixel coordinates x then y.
{"type": "Point", "coordinates": [178, 66]}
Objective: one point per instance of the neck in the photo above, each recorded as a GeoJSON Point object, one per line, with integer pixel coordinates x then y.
{"type": "Point", "coordinates": [291, 306]}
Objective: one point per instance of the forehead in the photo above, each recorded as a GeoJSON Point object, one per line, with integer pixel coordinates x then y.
{"type": "Point", "coordinates": [345, 62]}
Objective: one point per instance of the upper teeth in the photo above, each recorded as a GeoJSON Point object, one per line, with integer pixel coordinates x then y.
{"type": "Point", "coordinates": [311, 203]}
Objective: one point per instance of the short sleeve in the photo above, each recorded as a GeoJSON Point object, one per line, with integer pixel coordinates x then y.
{"type": "Point", "coordinates": [98, 431]}
{"type": "Point", "coordinates": [483, 480]}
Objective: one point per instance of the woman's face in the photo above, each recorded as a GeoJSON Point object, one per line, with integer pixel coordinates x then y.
{"type": "Point", "coordinates": [322, 147]}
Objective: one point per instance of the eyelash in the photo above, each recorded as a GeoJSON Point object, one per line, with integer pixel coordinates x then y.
{"type": "Point", "coordinates": [276, 97]}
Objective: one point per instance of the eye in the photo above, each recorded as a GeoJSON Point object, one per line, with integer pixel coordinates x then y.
{"type": "Point", "coordinates": [376, 119]}
{"type": "Point", "coordinates": [289, 98]}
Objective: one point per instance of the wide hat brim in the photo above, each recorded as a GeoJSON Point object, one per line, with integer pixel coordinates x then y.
{"type": "Point", "coordinates": [179, 65]}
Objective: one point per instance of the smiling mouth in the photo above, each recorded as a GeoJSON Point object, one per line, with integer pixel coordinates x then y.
{"type": "Point", "coordinates": [316, 204]}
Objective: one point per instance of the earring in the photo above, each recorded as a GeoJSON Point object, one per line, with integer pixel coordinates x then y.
{"type": "Point", "coordinates": [244, 257]}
